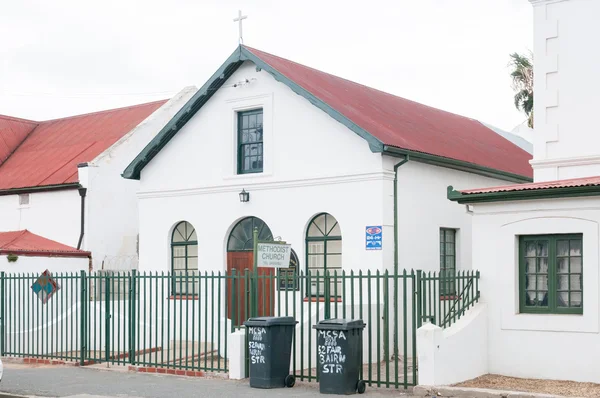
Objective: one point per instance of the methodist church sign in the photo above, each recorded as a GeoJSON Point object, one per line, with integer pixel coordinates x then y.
{"type": "Point", "coordinates": [273, 254]}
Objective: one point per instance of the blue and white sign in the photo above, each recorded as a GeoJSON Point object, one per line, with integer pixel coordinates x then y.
{"type": "Point", "coordinates": [374, 238]}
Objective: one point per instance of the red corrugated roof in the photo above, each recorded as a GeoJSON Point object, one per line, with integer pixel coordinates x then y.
{"type": "Point", "coordinates": [406, 124]}
{"type": "Point", "coordinates": [47, 153]}
{"type": "Point", "coordinates": [12, 132]}
{"type": "Point", "coordinates": [27, 243]}
{"type": "Point", "coordinates": [574, 182]}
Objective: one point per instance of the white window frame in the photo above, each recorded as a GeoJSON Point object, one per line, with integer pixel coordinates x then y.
{"type": "Point", "coordinates": [230, 165]}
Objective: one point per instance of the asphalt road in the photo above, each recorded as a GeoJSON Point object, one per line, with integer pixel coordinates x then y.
{"type": "Point", "coordinates": [54, 381]}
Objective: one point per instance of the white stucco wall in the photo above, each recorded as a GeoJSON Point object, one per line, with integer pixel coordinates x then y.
{"type": "Point", "coordinates": [459, 353]}
{"type": "Point", "coordinates": [566, 143]}
{"type": "Point", "coordinates": [38, 264]}
{"type": "Point", "coordinates": [313, 164]}
{"type": "Point", "coordinates": [54, 215]}
{"type": "Point", "coordinates": [537, 345]}
{"type": "Point", "coordinates": [424, 208]}
{"type": "Point", "coordinates": [111, 203]}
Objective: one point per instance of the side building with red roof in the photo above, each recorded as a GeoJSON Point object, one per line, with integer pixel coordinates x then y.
{"type": "Point", "coordinates": [60, 179]}
{"type": "Point", "coordinates": [337, 169]}
{"type": "Point", "coordinates": [537, 245]}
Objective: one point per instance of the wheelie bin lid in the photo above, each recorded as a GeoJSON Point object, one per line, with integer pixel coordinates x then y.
{"type": "Point", "coordinates": [340, 324]}
{"type": "Point", "coordinates": [270, 321]}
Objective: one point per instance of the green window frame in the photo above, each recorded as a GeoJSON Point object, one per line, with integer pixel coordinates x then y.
{"type": "Point", "coordinates": [324, 254]}
{"type": "Point", "coordinates": [551, 274]}
{"type": "Point", "coordinates": [447, 262]}
{"type": "Point", "coordinates": [250, 141]}
{"type": "Point", "coordinates": [184, 259]}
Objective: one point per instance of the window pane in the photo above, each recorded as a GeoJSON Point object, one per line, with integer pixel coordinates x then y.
{"type": "Point", "coordinates": [192, 264]}
{"type": "Point", "coordinates": [542, 249]}
{"type": "Point", "coordinates": [334, 246]}
{"type": "Point", "coordinates": [317, 227]}
{"type": "Point", "coordinates": [450, 262]}
{"type": "Point", "coordinates": [192, 250]}
{"type": "Point", "coordinates": [576, 300]}
{"type": "Point", "coordinates": [563, 282]}
{"type": "Point", "coordinates": [334, 261]}
{"type": "Point", "coordinates": [543, 265]}
{"type": "Point", "coordinates": [575, 248]}
{"type": "Point", "coordinates": [542, 299]}
{"type": "Point", "coordinates": [563, 299]}
{"type": "Point", "coordinates": [450, 248]}
{"type": "Point", "coordinates": [178, 264]}
{"type": "Point", "coordinates": [542, 282]}
{"type": "Point", "coordinates": [575, 282]}
{"type": "Point", "coordinates": [178, 251]}
{"type": "Point", "coordinates": [335, 231]}
{"type": "Point", "coordinates": [530, 265]}
{"type": "Point", "coordinates": [316, 247]}
{"type": "Point", "coordinates": [530, 249]}
{"type": "Point", "coordinates": [562, 248]}
{"type": "Point", "coordinates": [576, 265]}
{"type": "Point", "coordinates": [530, 299]}
{"type": "Point", "coordinates": [449, 235]}
{"type": "Point", "coordinates": [529, 282]}
{"type": "Point", "coordinates": [562, 265]}
{"type": "Point", "coordinates": [316, 261]}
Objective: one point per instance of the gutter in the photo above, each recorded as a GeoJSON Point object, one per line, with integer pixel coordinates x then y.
{"type": "Point", "coordinates": [526, 194]}
{"type": "Point", "coordinates": [396, 167]}
{"type": "Point", "coordinates": [46, 188]}
{"type": "Point", "coordinates": [456, 164]}
{"type": "Point", "coordinates": [82, 193]}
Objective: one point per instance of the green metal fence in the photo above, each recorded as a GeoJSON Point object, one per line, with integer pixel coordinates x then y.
{"type": "Point", "coordinates": [443, 309]}
{"type": "Point", "coordinates": [139, 318]}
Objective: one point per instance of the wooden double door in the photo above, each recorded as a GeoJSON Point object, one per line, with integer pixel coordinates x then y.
{"type": "Point", "coordinates": [249, 293]}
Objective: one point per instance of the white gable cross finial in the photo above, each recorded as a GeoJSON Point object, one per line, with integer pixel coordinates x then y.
{"type": "Point", "coordinates": [239, 19]}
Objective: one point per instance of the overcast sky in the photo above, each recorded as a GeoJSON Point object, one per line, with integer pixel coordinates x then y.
{"type": "Point", "coordinates": [64, 57]}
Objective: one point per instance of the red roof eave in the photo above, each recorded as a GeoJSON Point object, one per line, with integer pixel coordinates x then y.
{"type": "Point", "coordinates": [41, 253]}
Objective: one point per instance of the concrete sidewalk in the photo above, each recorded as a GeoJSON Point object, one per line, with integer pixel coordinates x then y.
{"type": "Point", "coordinates": [58, 381]}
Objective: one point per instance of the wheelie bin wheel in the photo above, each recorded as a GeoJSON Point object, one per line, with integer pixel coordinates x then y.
{"type": "Point", "coordinates": [361, 387]}
{"type": "Point", "coordinates": [290, 381]}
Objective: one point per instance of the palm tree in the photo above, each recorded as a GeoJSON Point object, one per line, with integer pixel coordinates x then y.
{"type": "Point", "coordinates": [522, 83]}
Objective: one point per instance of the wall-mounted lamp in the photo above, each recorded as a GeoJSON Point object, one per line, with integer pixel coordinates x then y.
{"type": "Point", "coordinates": [244, 196]}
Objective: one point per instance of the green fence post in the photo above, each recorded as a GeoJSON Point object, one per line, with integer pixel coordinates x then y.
{"type": "Point", "coordinates": [82, 318]}
{"type": "Point", "coordinates": [132, 296]}
{"type": "Point", "coordinates": [419, 293]}
{"type": "Point", "coordinates": [2, 280]}
{"type": "Point", "coordinates": [106, 317]}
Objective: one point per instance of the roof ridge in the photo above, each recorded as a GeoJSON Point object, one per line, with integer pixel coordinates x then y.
{"type": "Point", "coordinates": [18, 119]}
{"type": "Point", "coordinates": [362, 85]}
{"type": "Point", "coordinates": [21, 233]}
{"type": "Point", "coordinates": [103, 111]}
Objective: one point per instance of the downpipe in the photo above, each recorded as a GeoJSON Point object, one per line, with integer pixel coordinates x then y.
{"type": "Point", "coordinates": [82, 193]}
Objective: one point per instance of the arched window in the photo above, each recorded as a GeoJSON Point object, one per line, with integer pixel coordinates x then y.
{"type": "Point", "coordinates": [240, 239]}
{"type": "Point", "coordinates": [184, 259]}
{"type": "Point", "coordinates": [323, 252]}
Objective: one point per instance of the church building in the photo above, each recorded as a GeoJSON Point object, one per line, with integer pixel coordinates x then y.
{"type": "Point", "coordinates": [317, 161]}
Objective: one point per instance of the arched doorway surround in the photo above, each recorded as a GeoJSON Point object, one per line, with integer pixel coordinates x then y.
{"type": "Point", "coordinates": [253, 297]}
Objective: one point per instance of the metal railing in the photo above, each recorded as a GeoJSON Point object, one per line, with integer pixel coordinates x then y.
{"type": "Point", "coordinates": [133, 318]}
{"type": "Point", "coordinates": [443, 309]}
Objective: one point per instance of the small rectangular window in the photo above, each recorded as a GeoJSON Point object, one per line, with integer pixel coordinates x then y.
{"type": "Point", "coordinates": [250, 141]}
{"type": "Point", "coordinates": [551, 274]}
{"type": "Point", "coordinates": [23, 199]}
{"type": "Point", "coordinates": [447, 262]}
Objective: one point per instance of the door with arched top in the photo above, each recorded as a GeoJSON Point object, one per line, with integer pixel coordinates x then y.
{"type": "Point", "coordinates": [249, 293]}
